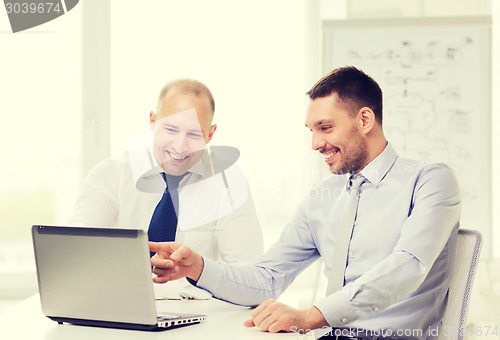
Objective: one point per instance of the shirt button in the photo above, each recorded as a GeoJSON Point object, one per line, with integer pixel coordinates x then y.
{"type": "Point", "coordinates": [375, 309]}
{"type": "Point", "coordinates": [351, 255]}
{"type": "Point", "coordinates": [343, 320]}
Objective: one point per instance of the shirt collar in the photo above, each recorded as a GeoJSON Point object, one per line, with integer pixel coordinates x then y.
{"type": "Point", "coordinates": [376, 170]}
{"type": "Point", "coordinates": [204, 167]}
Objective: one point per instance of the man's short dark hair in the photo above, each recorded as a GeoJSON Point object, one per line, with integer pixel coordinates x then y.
{"type": "Point", "coordinates": [354, 90]}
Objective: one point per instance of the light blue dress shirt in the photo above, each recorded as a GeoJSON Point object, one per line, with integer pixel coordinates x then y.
{"type": "Point", "coordinates": [400, 254]}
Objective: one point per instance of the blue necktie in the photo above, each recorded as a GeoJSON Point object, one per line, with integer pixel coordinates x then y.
{"type": "Point", "coordinates": [163, 225]}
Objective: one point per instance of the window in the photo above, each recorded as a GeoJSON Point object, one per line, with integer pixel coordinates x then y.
{"type": "Point", "coordinates": [40, 138]}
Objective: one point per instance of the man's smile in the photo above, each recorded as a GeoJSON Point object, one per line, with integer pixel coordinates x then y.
{"type": "Point", "coordinates": [329, 156]}
{"type": "Point", "coordinates": [177, 157]}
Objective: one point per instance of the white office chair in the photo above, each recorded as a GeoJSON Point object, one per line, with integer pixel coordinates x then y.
{"type": "Point", "coordinates": [454, 325]}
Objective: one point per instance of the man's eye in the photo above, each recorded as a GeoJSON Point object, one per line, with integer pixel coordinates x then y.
{"type": "Point", "coordinates": [195, 135]}
{"type": "Point", "coordinates": [326, 128]}
{"type": "Point", "coordinates": [170, 130]}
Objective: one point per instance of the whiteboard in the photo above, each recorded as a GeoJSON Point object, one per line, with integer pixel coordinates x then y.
{"type": "Point", "coordinates": [435, 74]}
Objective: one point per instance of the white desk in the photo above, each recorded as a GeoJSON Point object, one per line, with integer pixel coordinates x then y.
{"type": "Point", "coordinates": [225, 321]}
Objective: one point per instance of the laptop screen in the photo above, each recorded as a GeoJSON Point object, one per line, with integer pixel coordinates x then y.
{"type": "Point", "coordinates": [94, 274]}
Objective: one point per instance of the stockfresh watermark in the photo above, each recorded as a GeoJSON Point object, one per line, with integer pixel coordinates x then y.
{"type": "Point", "coordinates": [26, 14]}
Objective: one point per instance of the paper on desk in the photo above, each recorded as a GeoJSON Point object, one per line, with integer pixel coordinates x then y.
{"type": "Point", "coordinates": [178, 290]}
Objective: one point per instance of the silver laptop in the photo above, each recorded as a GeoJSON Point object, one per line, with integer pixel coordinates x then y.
{"type": "Point", "coordinates": [99, 277]}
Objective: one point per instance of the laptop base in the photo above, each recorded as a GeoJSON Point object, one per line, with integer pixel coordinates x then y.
{"type": "Point", "coordinates": [120, 325]}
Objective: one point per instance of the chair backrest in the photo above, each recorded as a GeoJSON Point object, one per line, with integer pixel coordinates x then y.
{"type": "Point", "coordinates": [454, 322]}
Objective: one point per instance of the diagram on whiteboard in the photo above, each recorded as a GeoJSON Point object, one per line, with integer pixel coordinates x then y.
{"type": "Point", "coordinates": [435, 95]}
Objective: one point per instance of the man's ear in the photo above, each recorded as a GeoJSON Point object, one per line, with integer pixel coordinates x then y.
{"type": "Point", "coordinates": [366, 119]}
{"type": "Point", "coordinates": [152, 119]}
{"type": "Point", "coordinates": [211, 132]}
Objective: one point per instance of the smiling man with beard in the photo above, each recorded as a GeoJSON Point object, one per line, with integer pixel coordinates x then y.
{"type": "Point", "coordinates": [385, 227]}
